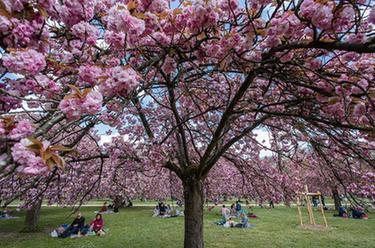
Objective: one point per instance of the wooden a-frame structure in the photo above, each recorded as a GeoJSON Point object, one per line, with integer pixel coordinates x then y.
{"type": "Point", "coordinates": [307, 196]}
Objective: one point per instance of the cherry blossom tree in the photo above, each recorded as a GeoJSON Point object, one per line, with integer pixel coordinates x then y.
{"type": "Point", "coordinates": [187, 83]}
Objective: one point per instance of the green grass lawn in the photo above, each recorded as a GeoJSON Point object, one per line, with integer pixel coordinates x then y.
{"type": "Point", "coordinates": [136, 228]}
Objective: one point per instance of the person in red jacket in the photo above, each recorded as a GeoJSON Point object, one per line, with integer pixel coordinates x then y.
{"type": "Point", "coordinates": [97, 224]}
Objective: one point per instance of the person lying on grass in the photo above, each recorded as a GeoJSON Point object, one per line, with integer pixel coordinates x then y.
{"type": "Point", "coordinates": [97, 224]}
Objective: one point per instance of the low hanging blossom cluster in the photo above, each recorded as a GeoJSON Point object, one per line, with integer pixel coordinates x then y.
{"type": "Point", "coordinates": [15, 130]}
{"type": "Point", "coordinates": [37, 157]}
{"type": "Point", "coordinates": [79, 103]}
{"type": "Point", "coordinates": [29, 162]}
{"type": "Point", "coordinates": [365, 187]}
{"type": "Point", "coordinates": [24, 62]}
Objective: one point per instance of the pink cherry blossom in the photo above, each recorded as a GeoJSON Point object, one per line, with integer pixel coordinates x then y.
{"type": "Point", "coordinates": [72, 11]}
{"type": "Point", "coordinates": [14, 5]}
{"type": "Point", "coordinates": [2, 128]}
{"type": "Point", "coordinates": [114, 38]}
{"type": "Point", "coordinates": [185, 90]}
{"type": "Point", "coordinates": [371, 17]}
{"type": "Point", "coordinates": [71, 107]}
{"type": "Point", "coordinates": [93, 102]}
{"type": "Point", "coordinates": [120, 80]}
{"type": "Point", "coordinates": [320, 15]}
{"type": "Point", "coordinates": [122, 21]}
{"type": "Point", "coordinates": [29, 61]}
{"type": "Point", "coordinates": [28, 161]}
{"type": "Point", "coordinates": [86, 32]}
{"type": "Point", "coordinates": [22, 129]}
{"type": "Point", "coordinates": [169, 65]}
{"type": "Point", "coordinates": [359, 109]}
{"type": "Point", "coordinates": [89, 74]}
{"type": "Point", "coordinates": [75, 107]}
{"type": "Point", "coordinates": [4, 24]}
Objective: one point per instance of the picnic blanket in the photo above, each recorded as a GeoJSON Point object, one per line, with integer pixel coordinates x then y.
{"type": "Point", "coordinates": [8, 217]}
{"type": "Point", "coordinates": [55, 233]}
{"type": "Point", "coordinates": [237, 225]}
{"type": "Point", "coordinates": [105, 212]}
{"type": "Point", "coordinates": [173, 213]}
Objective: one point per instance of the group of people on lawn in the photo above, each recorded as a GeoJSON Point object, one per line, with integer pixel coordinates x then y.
{"type": "Point", "coordinates": [78, 227]}
{"type": "Point", "coordinates": [6, 214]}
{"type": "Point", "coordinates": [228, 215]}
{"type": "Point", "coordinates": [165, 210]}
{"type": "Point", "coordinates": [356, 213]}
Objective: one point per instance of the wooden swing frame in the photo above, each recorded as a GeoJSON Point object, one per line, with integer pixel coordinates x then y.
{"type": "Point", "coordinates": [308, 196]}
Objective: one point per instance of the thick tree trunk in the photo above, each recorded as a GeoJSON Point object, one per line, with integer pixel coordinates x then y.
{"type": "Point", "coordinates": [336, 198]}
{"type": "Point", "coordinates": [117, 203]}
{"type": "Point", "coordinates": [32, 217]}
{"type": "Point", "coordinates": [194, 201]}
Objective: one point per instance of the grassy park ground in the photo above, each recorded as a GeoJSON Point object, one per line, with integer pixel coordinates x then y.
{"type": "Point", "coordinates": [134, 227]}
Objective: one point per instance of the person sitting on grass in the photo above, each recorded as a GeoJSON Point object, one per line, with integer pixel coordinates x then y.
{"type": "Point", "coordinates": [230, 223]}
{"type": "Point", "coordinates": [244, 220]}
{"type": "Point", "coordinates": [179, 203]}
{"type": "Point", "coordinates": [5, 214]}
{"type": "Point", "coordinates": [233, 209]}
{"type": "Point", "coordinates": [222, 221]}
{"type": "Point", "coordinates": [76, 226]}
{"type": "Point", "coordinates": [315, 201]}
{"type": "Point", "coordinates": [97, 225]}
{"type": "Point", "coordinates": [156, 211]}
{"type": "Point", "coordinates": [357, 213]}
{"type": "Point", "coordinates": [168, 209]}
{"type": "Point", "coordinates": [162, 209]}
{"type": "Point", "coordinates": [225, 212]}
{"type": "Point", "coordinates": [342, 212]}
{"type": "Point", "coordinates": [174, 212]}
{"type": "Point", "coordinates": [130, 204]}
{"type": "Point", "coordinates": [104, 208]}
{"type": "Point", "coordinates": [238, 207]}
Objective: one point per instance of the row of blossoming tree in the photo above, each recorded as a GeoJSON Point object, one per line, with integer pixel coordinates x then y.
{"type": "Point", "coordinates": [186, 84]}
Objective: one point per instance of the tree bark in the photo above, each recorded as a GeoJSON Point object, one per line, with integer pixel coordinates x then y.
{"type": "Point", "coordinates": [117, 203]}
{"type": "Point", "coordinates": [32, 217]}
{"type": "Point", "coordinates": [336, 198]}
{"type": "Point", "coordinates": [194, 201]}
